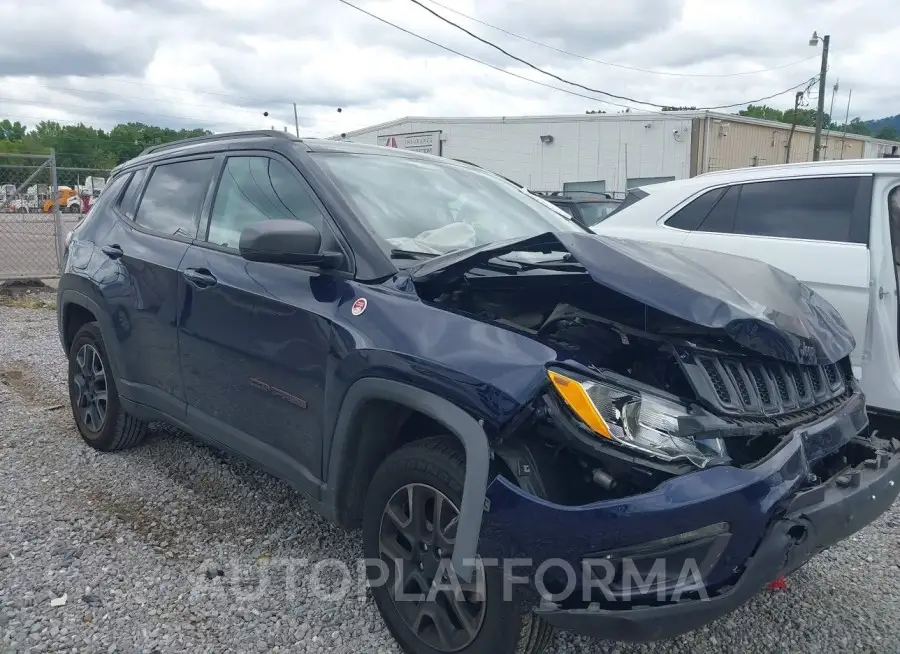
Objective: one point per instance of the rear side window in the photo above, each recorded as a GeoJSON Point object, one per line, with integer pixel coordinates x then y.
{"type": "Point", "coordinates": [173, 196]}
{"type": "Point", "coordinates": [825, 209]}
{"type": "Point", "coordinates": [128, 204]}
{"type": "Point", "coordinates": [691, 216]}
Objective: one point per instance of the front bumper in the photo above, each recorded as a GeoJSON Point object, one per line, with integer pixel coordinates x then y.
{"type": "Point", "coordinates": [776, 522]}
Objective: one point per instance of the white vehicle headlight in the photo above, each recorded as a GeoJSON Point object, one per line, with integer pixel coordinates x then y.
{"type": "Point", "coordinates": [638, 420]}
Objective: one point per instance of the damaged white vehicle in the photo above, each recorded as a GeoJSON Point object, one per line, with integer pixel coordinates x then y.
{"type": "Point", "coordinates": [834, 225]}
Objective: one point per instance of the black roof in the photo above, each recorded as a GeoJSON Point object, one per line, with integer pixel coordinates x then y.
{"type": "Point", "coordinates": [202, 143]}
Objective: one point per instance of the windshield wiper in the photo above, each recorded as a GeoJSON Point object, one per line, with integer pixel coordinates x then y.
{"type": "Point", "coordinates": [397, 253]}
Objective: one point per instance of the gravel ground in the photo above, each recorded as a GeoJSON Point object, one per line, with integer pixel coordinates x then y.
{"type": "Point", "coordinates": [172, 547]}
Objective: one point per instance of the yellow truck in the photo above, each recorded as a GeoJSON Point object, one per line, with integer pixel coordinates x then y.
{"type": "Point", "coordinates": [69, 201]}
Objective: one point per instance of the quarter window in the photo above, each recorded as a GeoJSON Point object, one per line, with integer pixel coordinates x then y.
{"type": "Point", "coordinates": [129, 200]}
{"type": "Point", "coordinates": [691, 215]}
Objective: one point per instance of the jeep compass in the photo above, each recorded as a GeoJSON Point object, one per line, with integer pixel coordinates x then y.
{"type": "Point", "coordinates": [499, 398]}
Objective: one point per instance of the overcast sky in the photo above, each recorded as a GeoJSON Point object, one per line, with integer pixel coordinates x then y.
{"type": "Point", "coordinates": [220, 64]}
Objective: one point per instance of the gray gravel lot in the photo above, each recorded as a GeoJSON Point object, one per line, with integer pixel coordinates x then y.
{"type": "Point", "coordinates": [173, 547]}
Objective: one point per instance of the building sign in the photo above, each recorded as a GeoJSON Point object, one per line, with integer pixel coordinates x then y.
{"type": "Point", "coordinates": [427, 142]}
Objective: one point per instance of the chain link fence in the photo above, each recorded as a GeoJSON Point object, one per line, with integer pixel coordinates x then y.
{"type": "Point", "coordinates": [39, 204]}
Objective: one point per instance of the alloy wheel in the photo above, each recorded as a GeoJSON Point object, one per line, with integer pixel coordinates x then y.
{"type": "Point", "coordinates": [91, 400]}
{"type": "Point", "coordinates": [416, 539]}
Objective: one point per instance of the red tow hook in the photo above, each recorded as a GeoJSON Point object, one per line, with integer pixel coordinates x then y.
{"type": "Point", "coordinates": [780, 583]}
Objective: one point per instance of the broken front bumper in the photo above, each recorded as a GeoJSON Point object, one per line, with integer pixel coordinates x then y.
{"type": "Point", "coordinates": [774, 521]}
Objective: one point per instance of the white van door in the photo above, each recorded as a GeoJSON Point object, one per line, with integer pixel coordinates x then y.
{"type": "Point", "coordinates": [882, 367]}
{"type": "Point", "coordinates": [815, 228]}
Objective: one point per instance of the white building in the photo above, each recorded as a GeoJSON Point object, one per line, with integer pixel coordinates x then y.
{"type": "Point", "coordinates": [614, 152]}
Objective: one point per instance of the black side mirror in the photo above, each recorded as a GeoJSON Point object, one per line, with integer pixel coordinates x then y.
{"type": "Point", "coordinates": [286, 241]}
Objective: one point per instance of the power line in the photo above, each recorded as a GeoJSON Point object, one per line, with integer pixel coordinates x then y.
{"type": "Point", "coordinates": [489, 65]}
{"type": "Point", "coordinates": [623, 66]}
{"type": "Point", "coordinates": [582, 86]}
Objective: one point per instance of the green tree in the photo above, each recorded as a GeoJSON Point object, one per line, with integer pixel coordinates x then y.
{"type": "Point", "coordinates": [10, 131]}
{"type": "Point", "coordinates": [763, 112]}
{"type": "Point", "coordinates": [888, 132]}
{"type": "Point", "coordinates": [805, 117]}
{"type": "Point", "coordinates": [857, 126]}
{"type": "Point", "coordinates": [83, 146]}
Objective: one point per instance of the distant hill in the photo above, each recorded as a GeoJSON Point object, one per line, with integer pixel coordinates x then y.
{"type": "Point", "coordinates": [891, 121]}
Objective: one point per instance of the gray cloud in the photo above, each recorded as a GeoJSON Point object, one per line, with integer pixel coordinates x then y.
{"type": "Point", "coordinates": [185, 63]}
{"type": "Point", "coordinates": [585, 28]}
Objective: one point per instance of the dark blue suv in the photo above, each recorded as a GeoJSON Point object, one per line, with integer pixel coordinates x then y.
{"type": "Point", "coordinates": [535, 426]}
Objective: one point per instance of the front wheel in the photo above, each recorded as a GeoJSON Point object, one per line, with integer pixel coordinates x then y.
{"type": "Point", "coordinates": [409, 524]}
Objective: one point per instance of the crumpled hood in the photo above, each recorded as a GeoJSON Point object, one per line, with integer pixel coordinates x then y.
{"type": "Point", "coordinates": [760, 307]}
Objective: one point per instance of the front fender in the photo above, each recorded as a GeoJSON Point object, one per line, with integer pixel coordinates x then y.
{"type": "Point", "coordinates": [458, 422]}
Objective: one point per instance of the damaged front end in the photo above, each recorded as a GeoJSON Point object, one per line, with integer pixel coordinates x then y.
{"type": "Point", "coordinates": [701, 408]}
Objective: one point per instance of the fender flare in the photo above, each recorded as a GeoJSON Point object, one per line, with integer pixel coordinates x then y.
{"type": "Point", "coordinates": [69, 297]}
{"type": "Point", "coordinates": [460, 423]}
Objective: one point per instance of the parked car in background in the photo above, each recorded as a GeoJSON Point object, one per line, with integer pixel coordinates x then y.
{"type": "Point", "coordinates": [835, 225]}
{"type": "Point", "coordinates": [483, 386]}
{"type": "Point", "coordinates": [587, 208]}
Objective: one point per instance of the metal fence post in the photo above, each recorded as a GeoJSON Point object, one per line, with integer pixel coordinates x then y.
{"type": "Point", "coordinates": [34, 218]}
{"type": "Point", "coordinates": [57, 216]}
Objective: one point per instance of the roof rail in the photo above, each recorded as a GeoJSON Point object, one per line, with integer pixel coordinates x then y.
{"type": "Point", "coordinates": [217, 137]}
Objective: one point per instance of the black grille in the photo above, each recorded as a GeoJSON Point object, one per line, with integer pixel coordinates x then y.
{"type": "Point", "coordinates": [716, 380]}
{"type": "Point", "coordinates": [767, 387]}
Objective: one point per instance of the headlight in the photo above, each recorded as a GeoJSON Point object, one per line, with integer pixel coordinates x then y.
{"type": "Point", "coordinates": [638, 420]}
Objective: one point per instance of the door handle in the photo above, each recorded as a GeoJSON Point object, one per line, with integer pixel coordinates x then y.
{"type": "Point", "coordinates": [200, 277]}
{"type": "Point", "coordinates": [112, 251]}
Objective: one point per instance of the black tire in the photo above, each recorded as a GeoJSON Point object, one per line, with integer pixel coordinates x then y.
{"type": "Point", "coordinates": [439, 463]}
{"type": "Point", "coordinates": [117, 430]}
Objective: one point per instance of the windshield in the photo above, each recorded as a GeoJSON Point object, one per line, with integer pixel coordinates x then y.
{"type": "Point", "coordinates": [593, 213]}
{"type": "Point", "coordinates": [435, 208]}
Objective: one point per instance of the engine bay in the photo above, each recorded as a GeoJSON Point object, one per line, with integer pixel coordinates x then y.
{"type": "Point", "coordinates": [603, 330]}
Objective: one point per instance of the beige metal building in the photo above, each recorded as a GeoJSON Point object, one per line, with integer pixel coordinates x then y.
{"type": "Point", "coordinates": [614, 152]}
{"type": "Point", "coordinates": [726, 141]}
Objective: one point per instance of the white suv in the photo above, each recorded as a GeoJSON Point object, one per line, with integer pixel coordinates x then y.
{"type": "Point", "coordinates": [834, 225]}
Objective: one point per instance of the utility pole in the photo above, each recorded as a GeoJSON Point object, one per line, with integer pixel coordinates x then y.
{"type": "Point", "coordinates": [787, 156]}
{"type": "Point", "coordinates": [820, 115]}
{"type": "Point", "coordinates": [834, 91]}
{"type": "Point", "coordinates": [296, 121]}
{"type": "Point", "coordinates": [846, 120]}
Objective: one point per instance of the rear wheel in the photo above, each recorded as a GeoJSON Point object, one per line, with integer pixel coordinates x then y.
{"type": "Point", "coordinates": [99, 416]}
{"type": "Point", "coordinates": [409, 524]}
